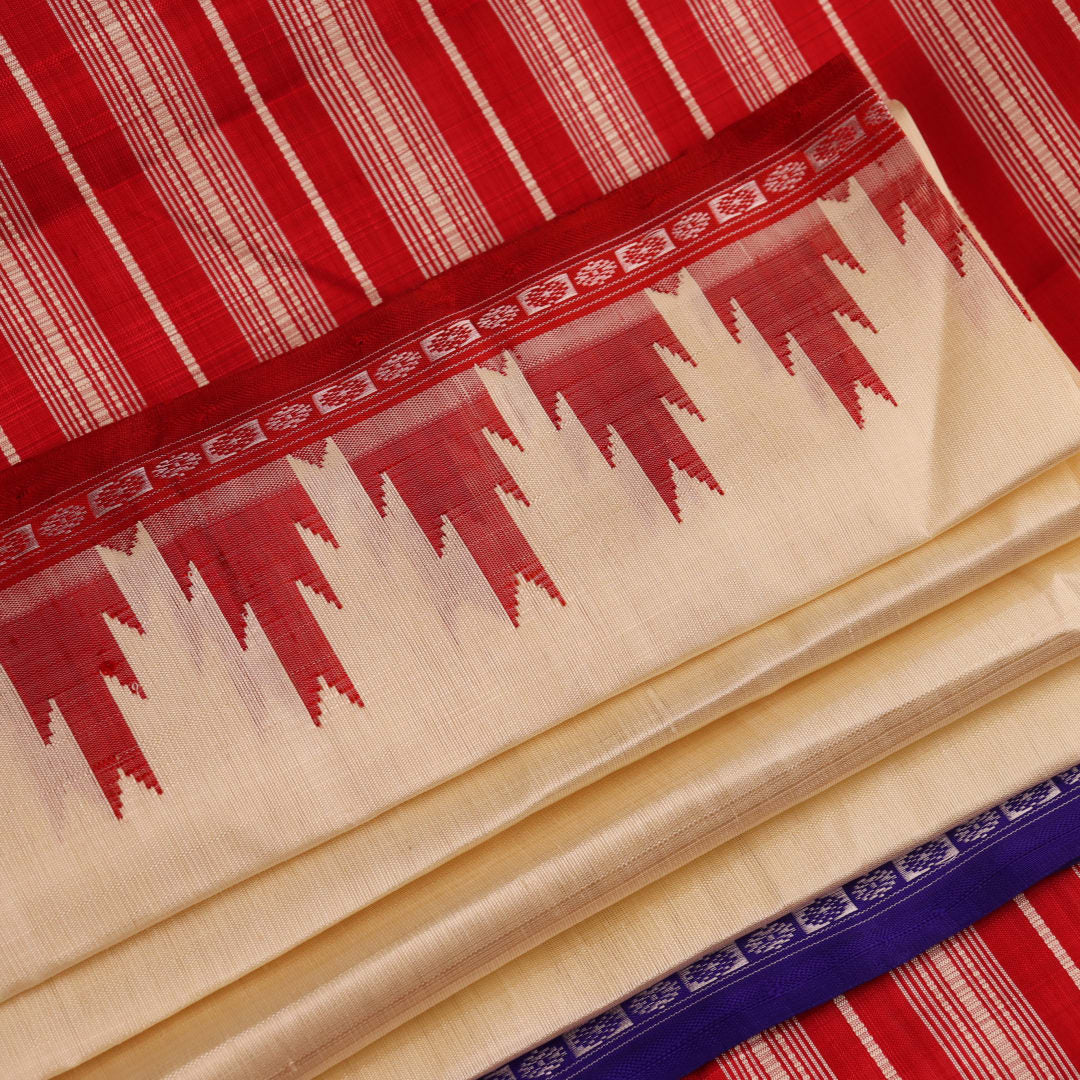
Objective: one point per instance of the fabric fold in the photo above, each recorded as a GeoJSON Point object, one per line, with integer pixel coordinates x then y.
{"type": "Point", "coordinates": [395, 848]}
{"type": "Point", "coordinates": [400, 956]}
{"type": "Point", "coordinates": [781, 865]}
{"type": "Point", "coordinates": [1014, 743]}
{"type": "Point", "coordinates": [629, 436]}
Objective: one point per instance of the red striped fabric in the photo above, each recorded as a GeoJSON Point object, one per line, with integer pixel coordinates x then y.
{"type": "Point", "coordinates": [188, 187]}
{"type": "Point", "coordinates": [999, 1001]}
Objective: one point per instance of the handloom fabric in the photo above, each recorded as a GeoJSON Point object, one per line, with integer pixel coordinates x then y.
{"type": "Point", "coordinates": [225, 592]}
{"type": "Point", "coordinates": [621, 833]}
{"type": "Point", "coordinates": [377, 858]}
{"type": "Point", "coordinates": [999, 1000]}
{"type": "Point", "coordinates": [190, 188]}
{"type": "Point", "coordinates": [842, 937]}
{"type": "Point", "coordinates": [778, 867]}
{"type": "Point", "coordinates": [760, 407]}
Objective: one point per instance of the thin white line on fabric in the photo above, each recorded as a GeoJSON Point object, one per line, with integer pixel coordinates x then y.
{"type": "Point", "coordinates": [154, 95]}
{"type": "Point", "coordinates": [482, 103]}
{"type": "Point", "coordinates": [1070, 16]}
{"type": "Point", "coordinates": [581, 84]}
{"type": "Point", "coordinates": [932, 1002]}
{"type": "Point", "coordinates": [668, 65]}
{"type": "Point", "coordinates": [1006, 125]}
{"type": "Point", "coordinates": [854, 52]}
{"type": "Point", "coordinates": [11, 455]}
{"type": "Point", "coordinates": [1047, 1056]}
{"type": "Point", "coordinates": [43, 329]}
{"type": "Point", "coordinates": [1050, 939]}
{"type": "Point", "coordinates": [762, 1047]}
{"type": "Point", "coordinates": [862, 1033]}
{"type": "Point", "coordinates": [389, 131]}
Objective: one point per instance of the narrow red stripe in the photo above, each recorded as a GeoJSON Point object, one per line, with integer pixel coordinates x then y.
{"type": "Point", "coordinates": [649, 83]}
{"type": "Point", "coordinates": [85, 253]}
{"type": "Point", "coordinates": [24, 418]}
{"type": "Point", "coordinates": [810, 28]}
{"type": "Point", "coordinates": [457, 116]}
{"type": "Point", "coordinates": [1043, 981]}
{"type": "Point", "coordinates": [903, 1037]}
{"type": "Point", "coordinates": [1010, 229]}
{"type": "Point", "coordinates": [1057, 900]}
{"type": "Point", "coordinates": [261, 159]}
{"type": "Point", "coordinates": [826, 1027]}
{"type": "Point", "coordinates": [348, 194]}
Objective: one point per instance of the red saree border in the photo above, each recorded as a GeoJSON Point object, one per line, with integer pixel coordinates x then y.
{"type": "Point", "coordinates": [762, 168]}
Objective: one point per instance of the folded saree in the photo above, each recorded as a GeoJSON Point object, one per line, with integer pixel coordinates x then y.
{"type": "Point", "coordinates": [734, 893]}
{"type": "Point", "coordinates": [373, 860]}
{"type": "Point", "coordinates": [254, 619]}
{"type": "Point", "coordinates": [321, 998]}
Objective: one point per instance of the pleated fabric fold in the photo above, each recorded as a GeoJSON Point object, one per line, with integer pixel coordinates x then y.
{"type": "Point", "coordinates": [667, 546]}
{"type": "Point", "coordinates": [267, 916]}
{"type": "Point", "coordinates": [907, 800]}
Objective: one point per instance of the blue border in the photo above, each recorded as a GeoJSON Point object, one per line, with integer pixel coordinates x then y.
{"type": "Point", "coordinates": [865, 928]}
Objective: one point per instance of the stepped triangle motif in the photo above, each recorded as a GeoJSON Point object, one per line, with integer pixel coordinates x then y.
{"type": "Point", "coordinates": [446, 470]}
{"type": "Point", "coordinates": [252, 557]}
{"type": "Point", "coordinates": [891, 191]}
{"type": "Point", "coordinates": [789, 293]}
{"type": "Point", "coordinates": [61, 651]}
{"type": "Point", "coordinates": [620, 384]}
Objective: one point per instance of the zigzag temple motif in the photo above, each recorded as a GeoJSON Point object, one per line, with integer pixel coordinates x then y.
{"type": "Point", "coordinates": [416, 532]}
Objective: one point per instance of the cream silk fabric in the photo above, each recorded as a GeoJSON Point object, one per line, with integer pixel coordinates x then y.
{"type": "Point", "coordinates": [726, 694]}
{"type": "Point", "coordinates": [266, 916]}
{"type": "Point", "coordinates": [811, 501]}
{"type": "Point", "coordinates": [559, 866]}
{"type": "Point", "coordinates": [1018, 740]}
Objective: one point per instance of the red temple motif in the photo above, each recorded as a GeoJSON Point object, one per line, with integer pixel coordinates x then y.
{"type": "Point", "coordinates": [790, 294]}
{"type": "Point", "coordinates": [59, 652]}
{"type": "Point", "coordinates": [446, 470]}
{"type": "Point", "coordinates": [621, 388]}
{"type": "Point", "coordinates": [253, 558]}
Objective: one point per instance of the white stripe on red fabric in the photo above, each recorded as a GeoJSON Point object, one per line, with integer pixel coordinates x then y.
{"type": "Point", "coordinates": [388, 129]}
{"type": "Point", "coordinates": [1012, 1013]}
{"type": "Point", "coordinates": [333, 229]}
{"type": "Point", "coordinates": [753, 44]}
{"type": "Point", "coordinates": [1072, 21]}
{"type": "Point", "coordinates": [482, 103]}
{"type": "Point", "coordinates": [848, 42]}
{"type": "Point", "coordinates": [53, 334]}
{"type": "Point", "coordinates": [793, 1049]}
{"type": "Point", "coordinates": [11, 455]}
{"type": "Point", "coordinates": [862, 1033]}
{"type": "Point", "coordinates": [932, 1001]}
{"type": "Point", "coordinates": [1050, 939]}
{"type": "Point", "coordinates": [1025, 127]}
{"type": "Point", "coordinates": [669, 66]}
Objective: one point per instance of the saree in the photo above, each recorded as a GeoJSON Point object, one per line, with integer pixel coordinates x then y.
{"type": "Point", "coordinates": [492, 595]}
